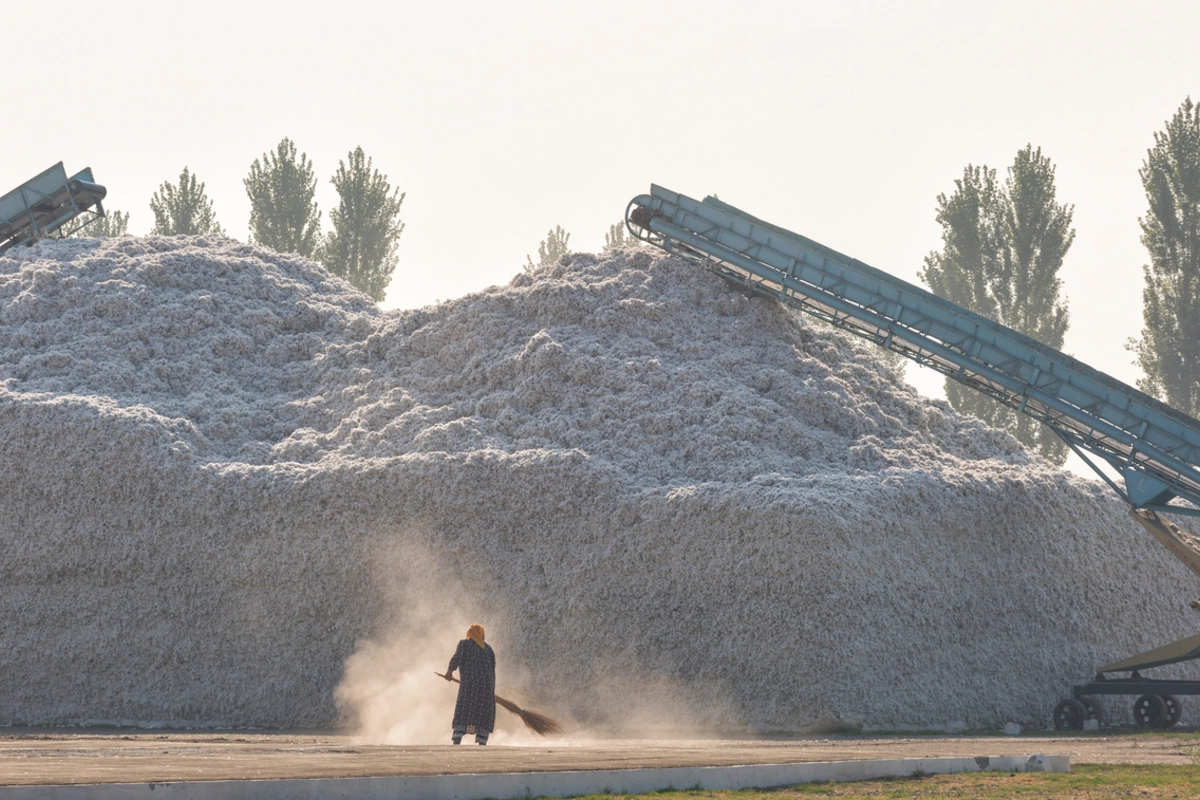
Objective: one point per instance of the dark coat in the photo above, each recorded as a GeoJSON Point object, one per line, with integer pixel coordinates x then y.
{"type": "Point", "coordinates": [477, 691]}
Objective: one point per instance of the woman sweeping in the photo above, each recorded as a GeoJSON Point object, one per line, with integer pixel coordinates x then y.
{"type": "Point", "coordinates": [475, 710]}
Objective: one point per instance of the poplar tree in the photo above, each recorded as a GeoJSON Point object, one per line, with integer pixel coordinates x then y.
{"type": "Point", "coordinates": [619, 236]}
{"type": "Point", "coordinates": [283, 214]}
{"type": "Point", "coordinates": [366, 227]}
{"type": "Point", "coordinates": [113, 223]}
{"type": "Point", "coordinates": [1169, 349]}
{"type": "Point", "coordinates": [1002, 248]}
{"type": "Point", "coordinates": [183, 210]}
{"type": "Point", "coordinates": [553, 247]}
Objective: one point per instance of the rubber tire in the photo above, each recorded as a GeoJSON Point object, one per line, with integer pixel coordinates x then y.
{"type": "Point", "coordinates": [1069, 715]}
{"type": "Point", "coordinates": [1150, 711]}
{"type": "Point", "coordinates": [1174, 710]}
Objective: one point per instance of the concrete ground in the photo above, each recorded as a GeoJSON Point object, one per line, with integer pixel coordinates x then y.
{"type": "Point", "coordinates": [55, 756]}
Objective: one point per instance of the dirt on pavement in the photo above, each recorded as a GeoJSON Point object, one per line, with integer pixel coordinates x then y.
{"type": "Point", "coordinates": [52, 756]}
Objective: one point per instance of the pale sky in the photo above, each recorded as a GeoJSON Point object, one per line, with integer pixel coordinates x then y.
{"type": "Point", "coordinates": [841, 121]}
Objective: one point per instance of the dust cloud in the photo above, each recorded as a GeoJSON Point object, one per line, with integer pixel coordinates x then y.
{"type": "Point", "coordinates": [389, 693]}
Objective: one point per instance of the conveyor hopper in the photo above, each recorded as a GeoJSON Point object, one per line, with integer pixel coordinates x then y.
{"type": "Point", "coordinates": [48, 204]}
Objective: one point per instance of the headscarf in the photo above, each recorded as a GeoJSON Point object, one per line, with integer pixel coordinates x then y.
{"type": "Point", "coordinates": [475, 634]}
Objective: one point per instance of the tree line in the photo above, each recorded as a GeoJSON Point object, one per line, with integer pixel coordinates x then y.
{"type": "Point", "coordinates": [281, 186]}
{"type": "Point", "coordinates": [558, 243]}
{"type": "Point", "coordinates": [365, 226]}
{"type": "Point", "coordinates": [1003, 244]}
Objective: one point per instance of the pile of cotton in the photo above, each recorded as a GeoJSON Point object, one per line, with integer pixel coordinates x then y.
{"type": "Point", "coordinates": [230, 481]}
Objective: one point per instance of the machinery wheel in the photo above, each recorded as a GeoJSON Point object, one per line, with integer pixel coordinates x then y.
{"type": "Point", "coordinates": [1150, 711]}
{"type": "Point", "coordinates": [1174, 710]}
{"type": "Point", "coordinates": [1092, 713]}
{"type": "Point", "coordinates": [1069, 715]}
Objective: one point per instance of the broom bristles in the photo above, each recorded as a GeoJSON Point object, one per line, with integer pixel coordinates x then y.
{"type": "Point", "coordinates": [538, 723]}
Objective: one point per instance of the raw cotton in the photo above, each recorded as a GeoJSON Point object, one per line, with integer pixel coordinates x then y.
{"type": "Point", "coordinates": [236, 493]}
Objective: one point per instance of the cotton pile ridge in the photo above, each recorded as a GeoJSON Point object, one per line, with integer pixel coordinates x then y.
{"type": "Point", "coordinates": [226, 473]}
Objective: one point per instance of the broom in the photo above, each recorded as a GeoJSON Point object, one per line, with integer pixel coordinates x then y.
{"type": "Point", "coordinates": [538, 723]}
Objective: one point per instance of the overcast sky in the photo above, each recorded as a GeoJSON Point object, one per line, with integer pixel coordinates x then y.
{"type": "Point", "coordinates": [842, 121]}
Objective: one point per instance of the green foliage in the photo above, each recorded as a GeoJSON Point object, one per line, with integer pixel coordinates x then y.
{"type": "Point", "coordinates": [283, 214]}
{"type": "Point", "coordinates": [366, 227]}
{"type": "Point", "coordinates": [1169, 349]}
{"type": "Point", "coordinates": [113, 223]}
{"type": "Point", "coordinates": [618, 236]}
{"type": "Point", "coordinates": [1002, 248]}
{"type": "Point", "coordinates": [183, 210]}
{"type": "Point", "coordinates": [1091, 781]}
{"type": "Point", "coordinates": [552, 248]}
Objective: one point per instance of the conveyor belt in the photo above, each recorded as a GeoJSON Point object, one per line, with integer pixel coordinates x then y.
{"type": "Point", "coordinates": [48, 203]}
{"type": "Point", "coordinates": [1154, 447]}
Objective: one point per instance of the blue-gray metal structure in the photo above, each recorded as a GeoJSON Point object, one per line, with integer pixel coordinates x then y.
{"type": "Point", "coordinates": [47, 203]}
{"type": "Point", "coordinates": [1155, 448]}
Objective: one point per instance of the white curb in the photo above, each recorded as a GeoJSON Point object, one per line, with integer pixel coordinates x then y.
{"type": "Point", "coordinates": [534, 784]}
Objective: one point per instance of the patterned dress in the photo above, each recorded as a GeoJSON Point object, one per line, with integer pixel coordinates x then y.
{"type": "Point", "coordinates": [477, 692]}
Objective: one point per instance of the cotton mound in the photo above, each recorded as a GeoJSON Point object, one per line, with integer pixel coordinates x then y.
{"type": "Point", "coordinates": [225, 471]}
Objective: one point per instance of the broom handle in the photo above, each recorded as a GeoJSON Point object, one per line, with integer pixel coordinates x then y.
{"type": "Point", "coordinates": [536, 722]}
{"type": "Point", "coordinates": [509, 704]}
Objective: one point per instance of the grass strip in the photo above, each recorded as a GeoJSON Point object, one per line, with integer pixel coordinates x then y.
{"type": "Point", "coordinates": [1083, 782]}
